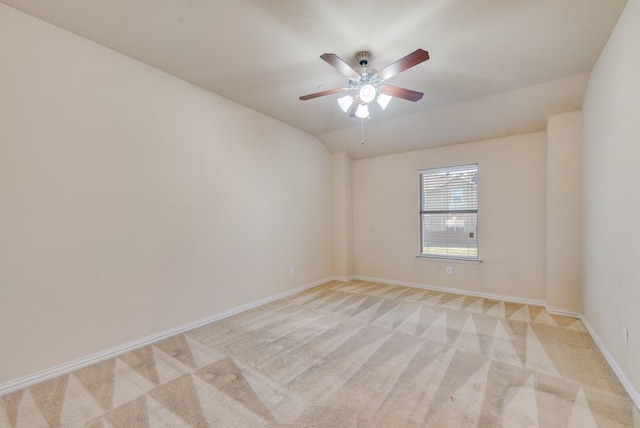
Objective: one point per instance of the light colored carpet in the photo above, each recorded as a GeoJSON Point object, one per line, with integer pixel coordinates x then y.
{"type": "Point", "coordinates": [345, 355]}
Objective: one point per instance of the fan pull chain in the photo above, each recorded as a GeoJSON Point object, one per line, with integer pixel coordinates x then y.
{"type": "Point", "coordinates": [362, 132]}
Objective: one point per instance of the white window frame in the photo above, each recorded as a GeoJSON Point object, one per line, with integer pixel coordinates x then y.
{"type": "Point", "coordinates": [449, 210]}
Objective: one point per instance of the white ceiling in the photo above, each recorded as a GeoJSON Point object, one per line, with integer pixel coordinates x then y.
{"type": "Point", "coordinates": [497, 67]}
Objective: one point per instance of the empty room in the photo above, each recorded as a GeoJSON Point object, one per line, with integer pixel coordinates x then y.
{"type": "Point", "coordinates": [319, 213]}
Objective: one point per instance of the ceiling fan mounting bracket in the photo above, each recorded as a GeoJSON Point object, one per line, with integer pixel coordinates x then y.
{"type": "Point", "coordinates": [363, 58]}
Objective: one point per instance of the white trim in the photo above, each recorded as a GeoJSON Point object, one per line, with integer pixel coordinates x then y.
{"type": "Point", "coordinates": [635, 397]}
{"type": "Point", "coordinates": [522, 300]}
{"type": "Point", "coordinates": [41, 376]}
{"type": "Point", "coordinates": [343, 278]}
{"type": "Point", "coordinates": [563, 312]}
{"type": "Point", "coordinates": [443, 259]}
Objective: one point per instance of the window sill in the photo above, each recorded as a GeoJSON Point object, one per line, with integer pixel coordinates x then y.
{"type": "Point", "coordinates": [449, 258]}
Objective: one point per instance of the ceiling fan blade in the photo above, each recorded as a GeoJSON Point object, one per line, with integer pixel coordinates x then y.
{"type": "Point", "coordinates": [323, 93]}
{"type": "Point", "coordinates": [336, 62]}
{"type": "Point", "coordinates": [405, 94]}
{"type": "Point", "coordinates": [414, 58]}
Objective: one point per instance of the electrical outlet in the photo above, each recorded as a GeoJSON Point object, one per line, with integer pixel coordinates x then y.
{"type": "Point", "coordinates": [615, 327]}
{"type": "Point", "coordinates": [449, 270]}
{"type": "Point", "coordinates": [291, 271]}
{"type": "Point", "coordinates": [625, 337]}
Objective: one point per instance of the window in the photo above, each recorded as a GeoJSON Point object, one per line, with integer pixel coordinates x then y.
{"type": "Point", "coordinates": [449, 212]}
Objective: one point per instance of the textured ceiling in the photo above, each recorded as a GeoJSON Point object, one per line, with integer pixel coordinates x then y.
{"type": "Point", "coordinates": [497, 66]}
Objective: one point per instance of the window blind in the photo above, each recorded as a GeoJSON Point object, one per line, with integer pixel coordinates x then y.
{"type": "Point", "coordinates": [449, 212]}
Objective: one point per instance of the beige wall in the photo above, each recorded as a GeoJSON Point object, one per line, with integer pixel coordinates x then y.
{"type": "Point", "coordinates": [611, 188]}
{"type": "Point", "coordinates": [564, 212]}
{"type": "Point", "coordinates": [342, 216]}
{"type": "Point", "coordinates": [132, 202]}
{"type": "Point", "coordinates": [511, 218]}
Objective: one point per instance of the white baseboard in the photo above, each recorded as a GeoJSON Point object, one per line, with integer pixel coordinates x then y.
{"type": "Point", "coordinates": [41, 376]}
{"type": "Point", "coordinates": [463, 292]}
{"type": "Point", "coordinates": [342, 278]}
{"type": "Point", "coordinates": [633, 393]}
{"type": "Point", "coordinates": [521, 300]}
{"type": "Point", "coordinates": [562, 312]}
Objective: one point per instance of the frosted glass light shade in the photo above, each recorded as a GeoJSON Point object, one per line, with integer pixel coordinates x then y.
{"type": "Point", "coordinates": [367, 93]}
{"type": "Point", "coordinates": [345, 102]}
{"type": "Point", "coordinates": [363, 111]}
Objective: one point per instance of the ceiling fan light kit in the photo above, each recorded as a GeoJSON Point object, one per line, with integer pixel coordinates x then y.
{"type": "Point", "coordinates": [345, 102]}
{"type": "Point", "coordinates": [362, 111]}
{"type": "Point", "coordinates": [367, 93]}
{"type": "Point", "coordinates": [366, 84]}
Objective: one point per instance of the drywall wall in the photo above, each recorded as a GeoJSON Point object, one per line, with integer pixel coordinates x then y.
{"type": "Point", "coordinates": [611, 114]}
{"type": "Point", "coordinates": [132, 202]}
{"type": "Point", "coordinates": [342, 208]}
{"type": "Point", "coordinates": [564, 212]}
{"type": "Point", "coordinates": [511, 217]}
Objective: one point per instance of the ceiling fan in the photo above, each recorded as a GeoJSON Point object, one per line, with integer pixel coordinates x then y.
{"type": "Point", "coordinates": [367, 84]}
